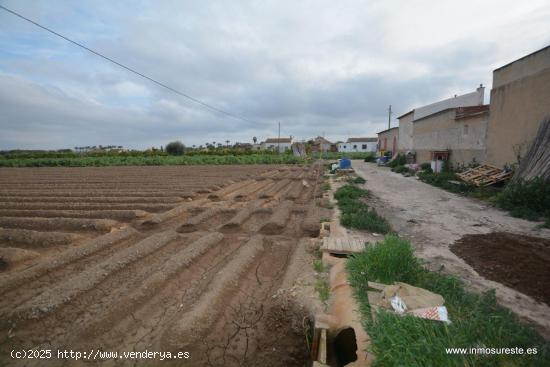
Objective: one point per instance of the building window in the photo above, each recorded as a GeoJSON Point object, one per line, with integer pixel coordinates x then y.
{"type": "Point", "coordinates": [355, 147]}
{"type": "Point", "coordinates": [344, 147]}
{"type": "Point", "coordinates": [465, 129]}
{"type": "Point", "coordinates": [364, 146]}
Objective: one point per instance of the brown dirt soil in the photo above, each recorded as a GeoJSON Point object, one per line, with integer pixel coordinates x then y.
{"type": "Point", "coordinates": [434, 219]}
{"type": "Point", "coordinates": [520, 262]}
{"type": "Point", "coordinates": [196, 275]}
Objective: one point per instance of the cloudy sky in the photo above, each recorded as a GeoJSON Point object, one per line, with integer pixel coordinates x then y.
{"type": "Point", "coordinates": [319, 67]}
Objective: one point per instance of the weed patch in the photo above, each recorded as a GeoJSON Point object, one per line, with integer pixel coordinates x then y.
{"type": "Point", "coordinates": [318, 266]}
{"type": "Point", "coordinates": [356, 213]}
{"type": "Point", "coordinates": [400, 169]}
{"type": "Point", "coordinates": [527, 199]}
{"type": "Point", "coordinates": [477, 320]}
{"type": "Point", "coordinates": [322, 287]}
{"type": "Point", "coordinates": [400, 160]}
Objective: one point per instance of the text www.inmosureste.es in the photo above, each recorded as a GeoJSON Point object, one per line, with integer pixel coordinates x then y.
{"type": "Point", "coordinates": [491, 351]}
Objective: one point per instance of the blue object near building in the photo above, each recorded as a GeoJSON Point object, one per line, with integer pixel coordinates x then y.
{"type": "Point", "coordinates": [345, 163]}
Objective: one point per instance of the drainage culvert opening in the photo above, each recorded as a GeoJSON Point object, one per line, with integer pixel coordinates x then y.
{"type": "Point", "coordinates": [342, 256]}
{"type": "Point", "coordinates": [345, 347]}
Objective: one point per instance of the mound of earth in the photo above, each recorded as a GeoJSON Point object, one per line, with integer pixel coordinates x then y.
{"type": "Point", "coordinates": [520, 262]}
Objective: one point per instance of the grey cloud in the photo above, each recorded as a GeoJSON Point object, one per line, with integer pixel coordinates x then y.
{"type": "Point", "coordinates": [315, 66]}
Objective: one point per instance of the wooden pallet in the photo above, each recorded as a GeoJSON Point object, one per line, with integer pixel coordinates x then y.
{"type": "Point", "coordinates": [484, 175]}
{"type": "Point", "coordinates": [343, 246]}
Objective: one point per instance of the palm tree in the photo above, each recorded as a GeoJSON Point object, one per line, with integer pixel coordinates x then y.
{"type": "Point", "coordinates": [254, 139]}
{"type": "Point", "coordinates": [227, 142]}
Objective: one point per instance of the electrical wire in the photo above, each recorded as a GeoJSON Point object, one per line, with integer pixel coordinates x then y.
{"type": "Point", "coordinates": [195, 100]}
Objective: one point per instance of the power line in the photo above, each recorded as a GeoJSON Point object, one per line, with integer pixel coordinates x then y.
{"type": "Point", "coordinates": [204, 104]}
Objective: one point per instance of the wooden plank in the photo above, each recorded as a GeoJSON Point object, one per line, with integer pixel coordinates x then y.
{"type": "Point", "coordinates": [484, 175]}
{"type": "Point", "coordinates": [342, 245]}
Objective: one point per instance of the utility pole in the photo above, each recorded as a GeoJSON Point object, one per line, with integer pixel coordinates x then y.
{"type": "Point", "coordinates": [389, 117]}
{"type": "Point", "coordinates": [279, 140]}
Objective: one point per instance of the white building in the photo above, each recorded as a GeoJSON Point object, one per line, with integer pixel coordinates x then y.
{"type": "Point", "coordinates": [283, 144]}
{"type": "Point", "coordinates": [358, 145]}
{"type": "Point", "coordinates": [406, 121]}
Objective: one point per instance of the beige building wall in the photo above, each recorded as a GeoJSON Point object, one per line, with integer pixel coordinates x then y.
{"type": "Point", "coordinates": [464, 138]}
{"type": "Point", "coordinates": [520, 99]}
{"type": "Point", "coordinates": [406, 132]}
{"type": "Point", "coordinates": [388, 137]}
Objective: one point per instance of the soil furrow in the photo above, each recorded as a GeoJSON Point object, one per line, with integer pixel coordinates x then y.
{"type": "Point", "coordinates": [124, 215]}
{"type": "Point", "coordinates": [65, 291]}
{"type": "Point", "coordinates": [59, 224]}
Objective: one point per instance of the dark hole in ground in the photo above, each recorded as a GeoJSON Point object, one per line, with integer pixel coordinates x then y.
{"type": "Point", "coordinates": [520, 262]}
{"type": "Point", "coordinates": [345, 347]}
{"type": "Point", "coordinates": [3, 264]}
{"type": "Point", "coordinates": [342, 256]}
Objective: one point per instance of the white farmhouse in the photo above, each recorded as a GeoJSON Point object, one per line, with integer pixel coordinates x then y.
{"type": "Point", "coordinates": [358, 145]}
{"type": "Point", "coordinates": [283, 144]}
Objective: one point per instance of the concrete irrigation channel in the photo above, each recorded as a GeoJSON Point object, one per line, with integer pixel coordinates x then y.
{"type": "Point", "coordinates": [174, 259]}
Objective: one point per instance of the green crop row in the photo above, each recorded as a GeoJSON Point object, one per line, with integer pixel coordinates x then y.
{"type": "Point", "coordinates": [157, 160]}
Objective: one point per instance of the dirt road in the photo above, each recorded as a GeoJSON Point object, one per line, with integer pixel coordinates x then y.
{"type": "Point", "coordinates": [433, 219]}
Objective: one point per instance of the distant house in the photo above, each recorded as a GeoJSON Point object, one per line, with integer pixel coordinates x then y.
{"type": "Point", "coordinates": [388, 140]}
{"type": "Point", "coordinates": [283, 144]}
{"type": "Point", "coordinates": [321, 144]}
{"type": "Point", "coordinates": [358, 145]}
{"type": "Point", "coordinates": [407, 121]}
{"type": "Point", "coordinates": [456, 134]}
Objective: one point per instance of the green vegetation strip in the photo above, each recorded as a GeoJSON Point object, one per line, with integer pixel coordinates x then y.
{"type": "Point", "coordinates": [477, 320]}
{"type": "Point", "coordinates": [356, 213]}
{"type": "Point", "coordinates": [149, 160]}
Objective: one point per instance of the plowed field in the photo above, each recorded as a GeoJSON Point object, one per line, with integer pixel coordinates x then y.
{"type": "Point", "coordinates": [179, 258]}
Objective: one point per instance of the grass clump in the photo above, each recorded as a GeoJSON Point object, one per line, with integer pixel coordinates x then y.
{"type": "Point", "coordinates": [400, 160]}
{"type": "Point", "coordinates": [356, 213]}
{"type": "Point", "coordinates": [425, 166]}
{"type": "Point", "coordinates": [349, 192]}
{"type": "Point", "coordinates": [527, 199]}
{"type": "Point", "coordinates": [446, 180]}
{"type": "Point", "coordinates": [359, 180]}
{"type": "Point", "coordinates": [325, 186]}
{"type": "Point", "coordinates": [393, 261]}
{"type": "Point", "coordinates": [318, 266]}
{"type": "Point", "coordinates": [477, 320]}
{"type": "Point", "coordinates": [400, 169]}
{"type": "Point", "coordinates": [322, 287]}
{"type": "Point", "coordinates": [365, 218]}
